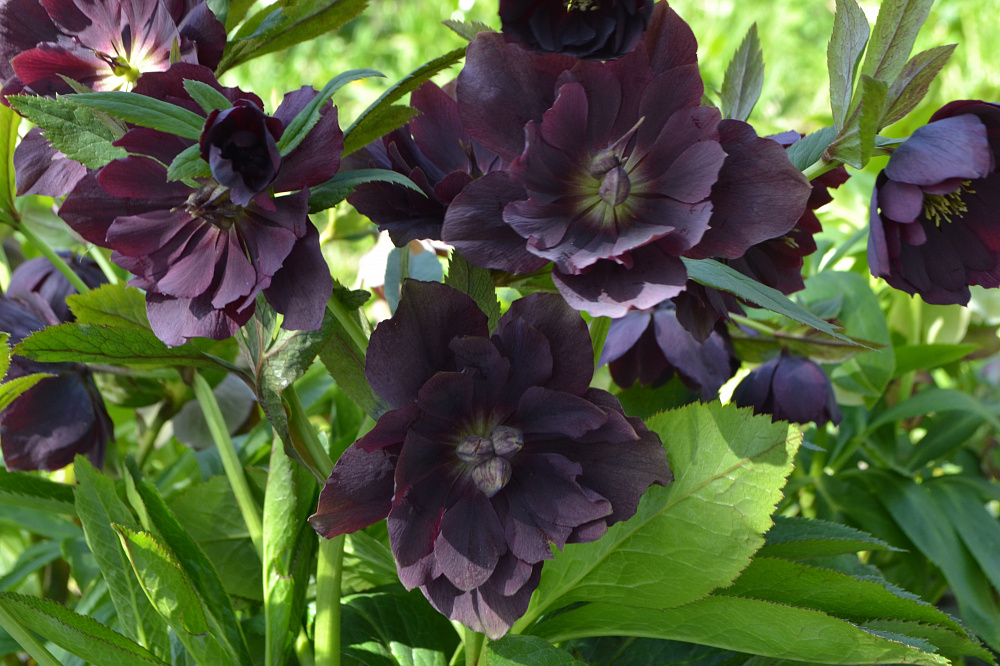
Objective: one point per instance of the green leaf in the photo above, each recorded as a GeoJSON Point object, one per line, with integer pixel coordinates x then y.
{"type": "Point", "coordinates": [30, 560]}
{"type": "Point", "coordinates": [71, 128]}
{"type": "Point", "coordinates": [15, 388]}
{"type": "Point", "coordinates": [515, 650]}
{"type": "Point", "coordinates": [477, 283]}
{"type": "Point", "coordinates": [368, 563]}
{"type": "Point", "coordinates": [287, 25]}
{"type": "Point", "coordinates": [379, 122]}
{"type": "Point", "coordinates": [912, 83]}
{"type": "Point", "coordinates": [35, 492]}
{"type": "Point", "coordinates": [946, 433]}
{"type": "Point", "coordinates": [208, 98]}
{"type": "Point", "coordinates": [803, 538]}
{"type": "Point", "coordinates": [978, 529]}
{"type": "Point", "coordinates": [98, 506]}
{"type": "Point", "coordinates": [302, 124]}
{"type": "Point", "coordinates": [896, 29]}
{"type": "Point", "coordinates": [145, 112]}
{"type": "Point", "coordinates": [936, 400]}
{"type": "Point", "coordinates": [395, 628]}
{"type": "Point", "coordinates": [810, 148]}
{"type": "Point", "coordinates": [712, 273]}
{"type": "Point", "coordinates": [745, 625]}
{"type": "Point", "coordinates": [467, 29]}
{"type": "Point", "coordinates": [949, 643]}
{"type": "Point", "coordinates": [856, 141]}
{"type": "Point", "coordinates": [78, 634]}
{"type": "Point", "coordinates": [188, 164]}
{"type": "Point", "coordinates": [367, 127]}
{"type": "Point", "coordinates": [9, 122]}
{"type": "Point", "coordinates": [692, 536]}
{"type": "Point", "coordinates": [843, 55]}
{"type": "Point", "coordinates": [110, 305]}
{"type": "Point", "coordinates": [744, 78]}
{"type": "Point", "coordinates": [927, 357]}
{"type": "Point", "coordinates": [338, 188]}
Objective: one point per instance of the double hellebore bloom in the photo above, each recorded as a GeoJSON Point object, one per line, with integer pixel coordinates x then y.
{"type": "Point", "coordinates": [594, 29]}
{"type": "Point", "coordinates": [204, 253]}
{"type": "Point", "coordinates": [789, 388]}
{"type": "Point", "coordinates": [651, 345]}
{"type": "Point", "coordinates": [495, 448]}
{"type": "Point", "coordinates": [935, 212]}
{"type": "Point", "coordinates": [63, 415]}
{"type": "Point", "coordinates": [616, 170]}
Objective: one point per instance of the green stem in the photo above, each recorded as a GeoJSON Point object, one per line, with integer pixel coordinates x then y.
{"type": "Point", "coordinates": [103, 263]}
{"type": "Point", "coordinates": [52, 256]}
{"type": "Point", "coordinates": [819, 458]}
{"type": "Point", "coordinates": [474, 643]}
{"type": "Point", "coordinates": [599, 335]}
{"type": "Point", "coordinates": [752, 323]}
{"type": "Point", "coordinates": [819, 167]}
{"type": "Point", "coordinates": [230, 461]}
{"type": "Point", "coordinates": [26, 639]}
{"type": "Point", "coordinates": [304, 436]}
{"type": "Point", "coordinates": [329, 571]}
{"type": "Point", "coordinates": [916, 332]}
{"type": "Point", "coordinates": [150, 432]}
{"type": "Point", "coordinates": [303, 650]}
{"type": "Point", "coordinates": [350, 325]}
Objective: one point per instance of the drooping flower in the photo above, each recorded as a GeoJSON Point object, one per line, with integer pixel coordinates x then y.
{"type": "Point", "coordinates": [935, 211]}
{"type": "Point", "coordinates": [789, 388]}
{"type": "Point", "coordinates": [594, 29]}
{"type": "Point", "coordinates": [651, 345]}
{"type": "Point", "coordinates": [616, 170]}
{"type": "Point", "coordinates": [202, 256]}
{"type": "Point", "coordinates": [495, 447]}
{"type": "Point", "coordinates": [63, 415]}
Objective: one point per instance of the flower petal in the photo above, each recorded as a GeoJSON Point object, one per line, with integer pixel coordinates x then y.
{"type": "Point", "coordinates": [358, 492]}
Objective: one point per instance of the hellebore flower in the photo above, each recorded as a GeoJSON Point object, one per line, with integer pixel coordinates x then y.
{"type": "Point", "coordinates": [789, 388]}
{"type": "Point", "coordinates": [935, 211]}
{"type": "Point", "coordinates": [593, 29]}
{"type": "Point", "coordinates": [651, 345]}
{"type": "Point", "coordinates": [62, 415]}
{"type": "Point", "coordinates": [616, 170]}
{"type": "Point", "coordinates": [494, 448]}
{"type": "Point", "coordinates": [202, 254]}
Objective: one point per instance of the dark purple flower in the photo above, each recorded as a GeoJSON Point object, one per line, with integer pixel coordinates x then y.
{"type": "Point", "coordinates": [935, 211]}
{"type": "Point", "coordinates": [616, 170]}
{"type": "Point", "coordinates": [789, 388]}
{"type": "Point", "coordinates": [651, 345]}
{"type": "Point", "coordinates": [593, 29]}
{"type": "Point", "coordinates": [63, 415]}
{"type": "Point", "coordinates": [495, 448]}
{"type": "Point", "coordinates": [202, 256]}
{"type": "Point", "coordinates": [240, 145]}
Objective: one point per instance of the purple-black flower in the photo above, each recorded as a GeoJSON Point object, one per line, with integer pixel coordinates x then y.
{"type": "Point", "coordinates": [594, 29]}
{"type": "Point", "coordinates": [935, 211]}
{"type": "Point", "coordinates": [651, 345]}
{"type": "Point", "coordinates": [63, 415]}
{"type": "Point", "coordinates": [204, 253]}
{"type": "Point", "coordinates": [789, 388]}
{"type": "Point", "coordinates": [495, 448]}
{"type": "Point", "coordinates": [240, 146]}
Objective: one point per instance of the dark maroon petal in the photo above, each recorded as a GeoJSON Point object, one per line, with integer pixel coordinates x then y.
{"type": "Point", "coordinates": [550, 487]}
{"type": "Point", "coordinates": [530, 358]}
{"type": "Point", "coordinates": [406, 350]}
{"type": "Point", "coordinates": [447, 396]}
{"type": "Point", "coordinates": [470, 542]}
{"type": "Point", "coordinates": [89, 209]}
{"type": "Point", "coordinates": [204, 29]}
{"type": "Point", "coordinates": [156, 238]}
{"type": "Point", "coordinates": [491, 372]}
{"type": "Point", "coordinates": [601, 31]}
{"type": "Point", "coordinates": [669, 41]}
{"type": "Point", "coordinates": [545, 412]}
{"type": "Point", "coordinates": [240, 146]}
{"type": "Point", "coordinates": [759, 194]}
{"type": "Point", "coordinates": [413, 524]}
{"type": "Point", "coordinates": [528, 535]}
{"type": "Point", "coordinates": [41, 169]}
{"type": "Point", "coordinates": [22, 25]}
{"type": "Point", "coordinates": [270, 235]}
{"type": "Point", "coordinates": [136, 177]}
{"type": "Point", "coordinates": [438, 129]}
{"type": "Point", "coordinates": [755, 389]}
{"type": "Point", "coordinates": [623, 333]}
{"type": "Point", "coordinates": [358, 492]}
{"type": "Point", "coordinates": [902, 202]}
{"type": "Point", "coordinates": [407, 215]}
{"type": "Point", "coordinates": [802, 392]}
{"type": "Point", "coordinates": [302, 286]}
{"type": "Point", "coordinates": [391, 428]}
{"type": "Point", "coordinates": [38, 68]}
{"type": "Point", "coordinates": [708, 365]}
{"type": "Point", "coordinates": [317, 159]}
{"type": "Point", "coordinates": [955, 147]}
{"type": "Point", "coordinates": [175, 320]}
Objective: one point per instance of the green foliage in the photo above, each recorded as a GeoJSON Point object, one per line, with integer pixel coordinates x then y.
{"type": "Point", "coordinates": [144, 111]}
{"type": "Point", "coordinates": [31, 491]}
{"type": "Point", "coordinates": [338, 188]}
{"type": "Point", "coordinates": [208, 98]}
{"type": "Point", "coordinates": [188, 164]}
{"type": "Point", "coordinates": [526, 651]}
{"type": "Point", "coordinates": [9, 122]}
{"type": "Point", "coordinates": [744, 78]}
{"type": "Point", "coordinates": [71, 128]}
{"type": "Point", "coordinates": [477, 283]}
{"type": "Point", "coordinates": [914, 81]}
{"type": "Point", "coordinates": [843, 55]}
{"type": "Point", "coordinates": [895, 32]}
{"type": "Point", "coordinates": [800, 538]}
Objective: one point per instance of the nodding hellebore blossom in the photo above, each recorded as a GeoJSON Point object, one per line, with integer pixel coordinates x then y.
{"type": "Point", "coordinates": [203, 253]}
{"type": "Point", "coordinates": [63, 415]}
{"type": "Point", "coordinates": [494, 448]}
{"type": "Point", "coordinates": [935, 211]}
{"type": "Point", "coordinates": [594, 29]}
{"type": "Point", "coordinates": [789, 388]}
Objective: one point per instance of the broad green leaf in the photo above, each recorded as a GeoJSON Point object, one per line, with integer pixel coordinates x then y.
{"type": "Point", "coordinates": [467, 29]}
{"type": "Point", "coordinates": [378, 123]}
{"type": "Point", "coordinates": [71, 128]}
{"type": "Point", "coordinates": [35, 492]}
{"type": "Point", "coordinates": [160, 520]}
{"type": "Point", "coordinates": [978, 529]}
{"type": "Point", "coordinates": [81, 635]}
{"type": "Point", "coordinates": [800, 538]}
{"type": "Point", "coordinates": [302, 124]}
{"type": "Point", "coordinates": [717, 275]}
{"type": "Point", "coordinates": [513, 650]}
{"type": "Point", "coordinates": [98, 506]}
{"type": "Point", "coordinates": [855, 143]}
{"type": "Point", "coordinates": [744, 78]}
{"type": "Point", "coordinates": [951, 644]}
{"type": "Point", "coordinates": [368, 563]}
{"type": "Point", "coordinates": [936, 400]}
{"type": "Point", "coordinates": [477, 283]}
{"type": "Point", "coordinates": [927, 357]}
{"type": "Point", "coordinates": [843, 55]}
{"type": "Point", "coordinates": [745, 625]}
{"type": "Point", "coordinates": [237, 11]}
{"type": "Point", "coordinates": [338, 188]}
{"type": "Point", "coordinates": [946, 433]}
{"type": "Point", "coordinates": [895, 31]}
{"type": "Point", "coordinates": [188, 164]}
{"type": "Point", "coordinates": [395, 627]}
{"type": "Point", "coordinates": [644, 401]}
{"type": "Point", "coordinates": [692, 536]}
{"type": "Point", "coordinates": [912, 83]}
{"type": "Point", "coordinates": [208, 98]}
{"type": "Point", "coordinates": [145, 111]}
{"type": "Point", "coordinates": [287, 25]}
{"type": "Point", "coordinates": [9, 122]}
{"type": "Point", "coordinates": [31, 559]}
{"type": "Point", "coordinates": [366, 127]}
{"type": "Point", "coordinates": [811, 147]}
{"type": "Point", "coordinates": [116, 345]}
{"type": "Point", "coordinates": [110, 305]}
{"type": "Point", "coordinates": [40, 522]}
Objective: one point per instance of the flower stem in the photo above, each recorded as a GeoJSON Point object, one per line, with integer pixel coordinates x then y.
{"type": "Point", "coordinates": [819, 167]}
{"type": "Point", "coordinates": [26, 639]}
{"type": "Point", "coordinates": [350, 325]}
{"type": "Point", "coordinates": [103, 263]}
{"type": "Point", "coordinates": [52, 256]}
{"type": "Point", "coordinates": [304, 436]}
{"type": "Point", "coordinates": [329, 571]}
{"type": "Point", "coordinates": [474, 643]}
{"type": "Point", "coordinates": [230, 461]}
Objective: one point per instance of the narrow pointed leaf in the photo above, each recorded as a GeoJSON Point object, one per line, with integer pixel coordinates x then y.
{"type": "Point", "coordinates": [188, 164]}
{"type": "Point", "coordinates": [912, 83]}
{"type": "Point", "coordinates": [895, 31]}
{"type": "Point", "coordinates": [810, 148]}
{"type": "Point", "coordinates": [338, 188]}
{"type": "Point", "coordinates": [34, 492]}
{"type": "Point", "coordinates": [744, 78]}
{"type": "Point", "coordinates": [856, 142]}
{"type": "Point", "coordinates": [467, 29]}
{"type": "Point", "coordinates": [208, 98]}
{"type": "Point", "coordinates": [145, 111]}
{"type": "Point", "coordinates": [797, 538]}
{"type": "Point", "coordinates": [843, 55]}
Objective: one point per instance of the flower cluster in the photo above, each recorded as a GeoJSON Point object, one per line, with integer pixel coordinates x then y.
{"type": "Point", "coordinates": [495, 448]}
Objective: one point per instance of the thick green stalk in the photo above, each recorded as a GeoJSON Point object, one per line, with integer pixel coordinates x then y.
{"type": "Point", "coordinates": [303, 433]}
{"type": "Point", "coordinates": [52, 256]}
{"type": "Point", "coordinates": [103, 263]}
{"type": "Point", "coordinates": [230, 461]}
{"type": "Point", "coordinates": [26, 639]}
{"type": "Point", "coordinates": [329, 571]}
{"type": "Point", "coordinates": [474, 644]}
{"type": "Point", "coordinates": [819, 167]}
{"type": "Point", "coordinates": [348, 322]}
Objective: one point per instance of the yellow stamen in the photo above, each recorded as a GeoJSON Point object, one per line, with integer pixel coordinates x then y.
{"type": "Point", "coordinates": [938, 207]}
